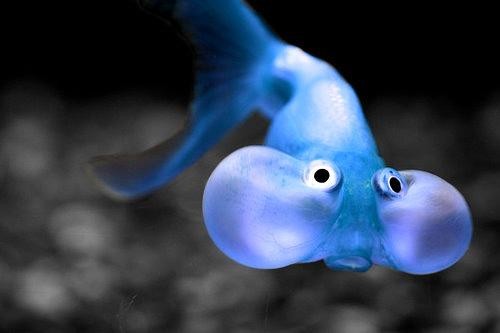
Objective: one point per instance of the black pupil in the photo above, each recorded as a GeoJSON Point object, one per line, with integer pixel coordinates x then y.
{"type": "Point", "coordinates": [395, 184]}
{"type": "Point", "coordinates": [321, 175]}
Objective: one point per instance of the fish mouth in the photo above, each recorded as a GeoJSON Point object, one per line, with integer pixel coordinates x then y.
{"type": "Point", "coordinates": [349, 263]}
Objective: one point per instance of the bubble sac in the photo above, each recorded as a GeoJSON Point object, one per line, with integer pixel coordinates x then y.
{"type": "Point", "coordinates": [260, 211]}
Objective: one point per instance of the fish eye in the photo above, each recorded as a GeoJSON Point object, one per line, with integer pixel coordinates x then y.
{"type": "Point", "coordinates": [390, 183]}
{"type": "Point", "coordinates": [395, 185]}
{"type": "Point", "coordinates": [322, 175]}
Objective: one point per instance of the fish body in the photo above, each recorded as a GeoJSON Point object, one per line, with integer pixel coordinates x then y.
{"type": "Point", "coordinates": [317, 189]}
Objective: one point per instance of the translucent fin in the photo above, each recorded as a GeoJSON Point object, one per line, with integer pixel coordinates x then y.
{"type": "Point", "coordinates": [233, 49]}
{"type": "Point", "coordinates": [134, 175]}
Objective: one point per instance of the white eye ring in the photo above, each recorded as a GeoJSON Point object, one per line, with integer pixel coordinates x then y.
{"type": "Point", "coordinates": [322, 175]}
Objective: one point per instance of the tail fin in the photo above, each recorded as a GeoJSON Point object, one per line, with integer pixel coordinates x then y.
{"type": "Point", "coordinates": [232, 47]}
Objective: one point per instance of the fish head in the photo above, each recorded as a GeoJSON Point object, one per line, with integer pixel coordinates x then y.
{"type": "Point", "coordinates": [266, 209]}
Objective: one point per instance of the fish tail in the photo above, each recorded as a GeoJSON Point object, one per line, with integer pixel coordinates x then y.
{"type": "Point", "coordinates": [233, 51]}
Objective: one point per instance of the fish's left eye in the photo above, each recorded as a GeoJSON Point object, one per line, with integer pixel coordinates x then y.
{"type": "Point", "coordinates": [322, 175]}
{"type": "Point", "coordinates": [390, 183]}
{"type": "Point", "coordinates": [395, 185]}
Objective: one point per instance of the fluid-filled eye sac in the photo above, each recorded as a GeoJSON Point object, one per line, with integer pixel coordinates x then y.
{"type": "Point", "coordinates": [260, 213]}
{"type": "Point", "coordinates": [429, 228]}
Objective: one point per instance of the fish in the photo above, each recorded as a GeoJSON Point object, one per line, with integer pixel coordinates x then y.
{"type": "Point", "coordinates": [316, 189]}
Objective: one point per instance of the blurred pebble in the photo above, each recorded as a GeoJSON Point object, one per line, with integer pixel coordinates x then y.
{"type": "Point", "coordinates": [484, 193]}
{"type": "Point", "coordinates": [470, 268]}
{"type": "Point", "coordinates": [346, 286]}
{"type": "Point", "coordinates": [224, 288]}
{"type": "Point", "coordinates": [139, 321]}
{"type": "Point", "coordinates": [28, 147]}
{"type": "Point", "coordinates": [143, 264]}
{"type": "Point", "coordinates": [349, 319]}
{"type": "Point", "coordinates": [465, 308]}
{"type": "Point", "coordinates": [29, 136]}
{"type": "Point", "coordinates": [91, 280]}
{"type": "Point", "coordinates": [42, 289]}
{"type": "Point", "coordinates": [202, 324]}
{"type": "Point", "coordinates": [82, 229]}
{"type": "Point", "coordinates": [305, 303]}
{"type": "Point", "coordinates": [491, 293]}
{"type": "Point", "coordinates": [396, 301]}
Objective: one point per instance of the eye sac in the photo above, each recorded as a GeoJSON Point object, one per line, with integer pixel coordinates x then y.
{"type": "Point", "coordinates": [429, 228]}
{"type": "Point", "coordinates": [259, 211]}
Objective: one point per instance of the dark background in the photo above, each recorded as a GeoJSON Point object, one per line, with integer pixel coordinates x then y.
{"type": "Point", "coordinates": [89, 48]}
{"type": "Point", "coordinates": [80, 78]}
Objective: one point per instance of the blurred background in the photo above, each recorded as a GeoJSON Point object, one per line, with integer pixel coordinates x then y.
{"type": "Point", "coordinates": [81, 78]}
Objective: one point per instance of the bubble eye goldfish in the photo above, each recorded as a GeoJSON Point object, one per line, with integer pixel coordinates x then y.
{"type": "Point", "coordinates": [317, 189]}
